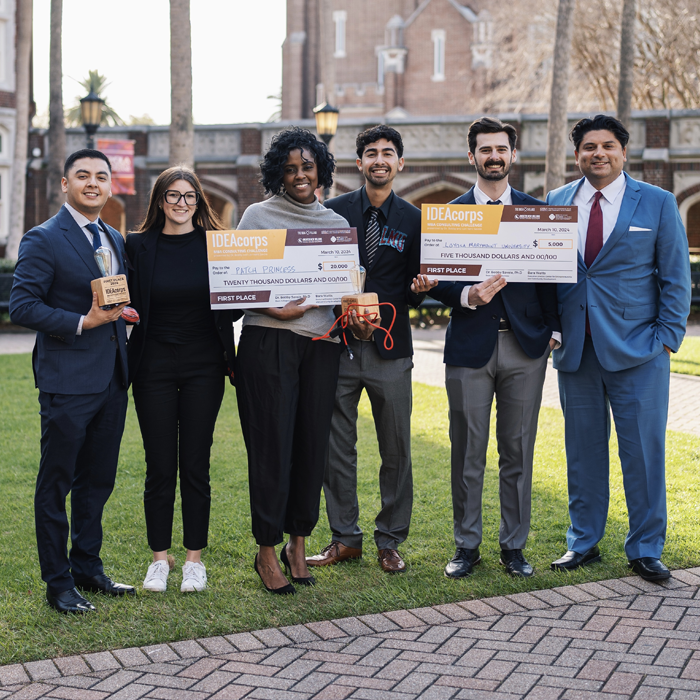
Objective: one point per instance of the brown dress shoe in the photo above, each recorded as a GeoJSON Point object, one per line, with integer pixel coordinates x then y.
{"type": "Point", "coordinates": [334, 553]}
{"type": "Point", "coordinates": [390, 561]}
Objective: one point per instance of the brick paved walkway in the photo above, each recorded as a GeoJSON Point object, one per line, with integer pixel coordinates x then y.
{"type": "Point", "coordinates": [623, 638]}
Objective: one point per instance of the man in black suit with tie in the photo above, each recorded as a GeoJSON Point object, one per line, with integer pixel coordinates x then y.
{"type": "Point", "coordinates": [80, 369]}
{"type": "Point", "coordinates": [497, 342]}
{"type": "Point", "coordinates": [389, 242]}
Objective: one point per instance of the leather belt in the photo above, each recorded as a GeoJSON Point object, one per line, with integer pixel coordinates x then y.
{"type": "Point", "coordinates": [504, 325]}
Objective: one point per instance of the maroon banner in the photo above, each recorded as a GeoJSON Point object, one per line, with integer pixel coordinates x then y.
{"type": "Point", "coordinates": [456, 270]}
{"type": "Point", "coordinates": [121, 156]}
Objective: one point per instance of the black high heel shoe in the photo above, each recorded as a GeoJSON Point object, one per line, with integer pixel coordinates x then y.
{"type": "Point", "coordinates": [310, 581]}
{"type": "Point", "coordinates": [285, 590]}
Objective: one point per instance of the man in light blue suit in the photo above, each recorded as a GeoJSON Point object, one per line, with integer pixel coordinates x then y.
{"type": "Point", "coordinates": [620, 322]}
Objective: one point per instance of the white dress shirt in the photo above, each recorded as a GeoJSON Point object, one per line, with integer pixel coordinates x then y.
{"type": "Point", "coordinates": [610, 204]}
{"type": "Point", "coordinates": [83, 221]}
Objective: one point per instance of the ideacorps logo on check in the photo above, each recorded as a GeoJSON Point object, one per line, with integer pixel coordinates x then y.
{"type": "Point", "coordinates": [393, 238]}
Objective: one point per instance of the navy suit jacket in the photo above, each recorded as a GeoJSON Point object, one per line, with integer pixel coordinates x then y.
{"type": "Point", "coordinates": [51, 291]}
{"type": "Point", "coordinates": [472, 333]}
{"type": "Point", "coordinates": [637, 291]}
{"type": "Point", "coordinates": [395, 264]}
{"type": "Point", "coordinates": [141, 250]}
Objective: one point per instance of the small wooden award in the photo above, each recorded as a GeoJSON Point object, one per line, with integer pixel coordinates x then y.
{"type": "Point", "coordinates": [111, 290]}
{"type": "Point", "coordinates": [366, 301]}
{"type": "Point", "coordinates": [367, 304]}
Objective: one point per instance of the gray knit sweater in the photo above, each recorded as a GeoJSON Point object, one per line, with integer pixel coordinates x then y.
{"type": "Point", "coordinates": [282, 211]}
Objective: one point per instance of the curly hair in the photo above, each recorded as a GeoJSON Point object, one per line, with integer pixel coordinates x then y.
{"type": "Point", "coordinates": [374, 134]}
{"type": "Point", "coordinates": [291, 139]}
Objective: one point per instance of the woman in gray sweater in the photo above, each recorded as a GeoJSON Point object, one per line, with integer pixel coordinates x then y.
{"type": "Point", "coordinates": [286, 382]}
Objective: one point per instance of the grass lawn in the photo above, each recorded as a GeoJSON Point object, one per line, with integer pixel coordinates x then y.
{"type": "Point", "coordinates": [687, 359]}
{"type": "Point", "coordinates": [236, 600]}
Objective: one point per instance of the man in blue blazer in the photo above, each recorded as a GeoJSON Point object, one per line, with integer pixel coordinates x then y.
{"type": "Point", "coordinates": [621, 321]}
{"type": "Point", "coordinates": [80, 368]}
{"type": "Point", "coordinates": [497, 343]}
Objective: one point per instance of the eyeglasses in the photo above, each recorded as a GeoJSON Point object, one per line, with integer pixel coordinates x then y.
{"type": "Point", "coordinates": [174, 197]}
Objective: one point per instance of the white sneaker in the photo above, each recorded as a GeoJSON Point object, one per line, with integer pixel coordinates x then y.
{"type": "Point", "coordinates": [194, 577]}
{"type": "Point", "coordinates": [157, 576]}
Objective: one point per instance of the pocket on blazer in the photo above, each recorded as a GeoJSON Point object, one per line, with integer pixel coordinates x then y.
{"type": "Point", "coordinates": [640, 312]}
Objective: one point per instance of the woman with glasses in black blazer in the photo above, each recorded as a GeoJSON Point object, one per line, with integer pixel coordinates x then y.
{"type": "Point", "coordinates": [179, 356]}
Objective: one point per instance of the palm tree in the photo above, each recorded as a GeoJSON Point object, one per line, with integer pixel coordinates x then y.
{"type": "Point", "coordinates": [22, 95]}
{"type": "Point", "coordinates": [97, 83]}
{"type": "Point", "coordinates": [624, 88]}
{"type": "Point", "coordinates": [555, 164]}
{"type": "Point", "coordinates": [57, 128]}
{"type": "Point", "coordinates": [181, 125]}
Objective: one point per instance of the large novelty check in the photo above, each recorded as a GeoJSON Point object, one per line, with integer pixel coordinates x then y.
{"type": "Point", "coordinates": [263, 269]}
{"type": "Point", "coordinates": [524, 243]}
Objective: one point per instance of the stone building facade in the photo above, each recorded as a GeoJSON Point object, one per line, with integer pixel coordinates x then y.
{"type": "Point", "coordinates": [394, 57]}
{"type": "Point", "coordinates": [664, 150]}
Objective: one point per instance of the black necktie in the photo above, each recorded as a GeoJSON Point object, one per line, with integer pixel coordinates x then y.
{"type": "Point", "coordinates": [95, 231]}
{"type": "Point", "coordinates": [498, 201]}
{"type": "Point", "coordinates": [372, 234]}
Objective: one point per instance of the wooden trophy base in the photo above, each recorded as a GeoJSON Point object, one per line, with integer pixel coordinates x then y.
{"type": "Point", "coordinates": [366, 304]}
{"type": "Point", "coordinates": [111, 290]}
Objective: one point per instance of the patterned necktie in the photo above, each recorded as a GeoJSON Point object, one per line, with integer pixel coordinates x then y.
{"type": "Point", "coordinates": [594, 240]}
{"type": "Point", "coordinates": [498, 201]}
{"type": "Point", "coordinates": [95, 231]}
{"type": "Point", "coordinates": [372, 234]}
{"type": "Point", "coordinates": [594, 236]}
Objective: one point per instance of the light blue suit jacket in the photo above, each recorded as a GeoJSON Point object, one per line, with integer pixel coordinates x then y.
{"type": "Point", "coordinates": [637, 290]}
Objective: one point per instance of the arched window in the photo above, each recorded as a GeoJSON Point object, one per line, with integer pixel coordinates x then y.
{"type": "Point", "coordinates": [438, 37]}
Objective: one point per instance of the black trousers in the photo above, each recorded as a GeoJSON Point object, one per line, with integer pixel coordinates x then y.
{"type": "Point", "coordinates": [285, 384]}
{"type": "Point", "coordinates": [80, 439]}
{"type": "Point", "coordinates": [177, 394]}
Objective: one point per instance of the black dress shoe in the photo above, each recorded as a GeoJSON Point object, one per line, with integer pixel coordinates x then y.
{"type": "Point", "coordinates": [462, 563]}
{"type": "Point", "coordinates": [573, 560]}
{"type": "Point", "coordinates": [69, 601]}
{"type": "Point", "coordinates": [650, 569]}
{"type": "Point", "coordinates": [515, 563]}
{"type": "Point", "coordinates": [101, 583]}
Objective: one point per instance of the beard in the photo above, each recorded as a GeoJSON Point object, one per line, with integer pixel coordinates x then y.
{"type": "Point", "coordinates": [493, 175]}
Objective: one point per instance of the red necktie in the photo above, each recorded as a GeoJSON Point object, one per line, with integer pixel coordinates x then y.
{"type": "Point", "coordinates": [594, 239]}
{"type": "Point", "coordinates": [594, 236]}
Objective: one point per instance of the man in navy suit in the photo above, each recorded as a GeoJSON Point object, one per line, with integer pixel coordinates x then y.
{"type": "Point", "coordinates": [389, 244]}
{"type": "Point", "coordinates": [497, 343]}
{"type": "Point", "coordinates": [80, 368]}
{"type": "Point", "coordinates": [621, 320]}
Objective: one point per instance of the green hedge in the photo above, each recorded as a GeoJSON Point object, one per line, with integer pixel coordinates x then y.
{"type": "Point", "coordinates": [7, 265]}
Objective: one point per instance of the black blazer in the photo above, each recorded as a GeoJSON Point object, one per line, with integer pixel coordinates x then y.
{"type": "Point", "coordinates": [396, 263]}
{"type": "Point", "coordinates": [141, 254]}
{"type": "Point", "coordinates": [531, 309]}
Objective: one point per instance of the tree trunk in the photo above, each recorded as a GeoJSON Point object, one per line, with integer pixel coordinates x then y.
{"type": "Point", "coordinates": [181, 126]}
{"type": "Point", "coordinates": [19, 163]}
{"type": "Point", "coordinates": [327, 29]}
{"type": "Point", "coordinates": [57, 128]}
{"type": "Point", "coordinates": [555, 166]}
{"type": "Point", "coordinates": [624, 89]}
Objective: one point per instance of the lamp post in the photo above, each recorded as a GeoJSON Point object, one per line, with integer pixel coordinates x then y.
{"type": "Point", "coordinates": [326, 126]}
{"type": "Point", "coordinates": [91, 115]}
